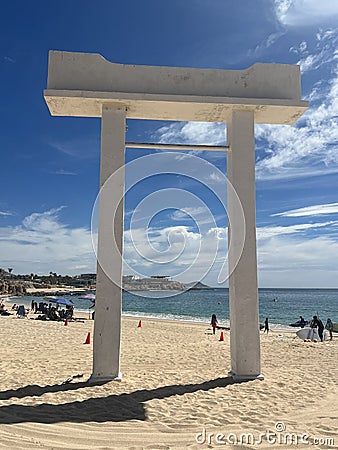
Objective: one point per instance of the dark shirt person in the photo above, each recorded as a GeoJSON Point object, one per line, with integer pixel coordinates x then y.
{"type": "Point", "coordinates": [266, 325]}
{"type": "Point", "coordinates": [317, 323]}
{"type": "Point", "coordinates": [213, 323]}
{"type": "Point", "coordinates": [320, 330]}
{"type": "Point", "coordinates": [53, 315]}
{"type": "Point", "coordinates": [329, 327]}
{"type": "Point", "coordinates": [314, 322]}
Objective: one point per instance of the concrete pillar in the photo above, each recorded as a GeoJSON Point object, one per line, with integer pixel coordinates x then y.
{"type": "Point", "coordinates": [243, 290]}
{"type": "Point", "coordinates": [108, 304]}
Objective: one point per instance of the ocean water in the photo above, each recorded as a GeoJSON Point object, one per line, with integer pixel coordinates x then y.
{"type": "Point", "coordinates": [281, 306]}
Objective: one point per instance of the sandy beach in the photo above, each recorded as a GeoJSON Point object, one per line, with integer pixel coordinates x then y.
{"type": "Point", "coordinates": [175, 391]}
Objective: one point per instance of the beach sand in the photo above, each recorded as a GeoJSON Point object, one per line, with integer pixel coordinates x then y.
{"type": "Point", "coordinates": [174, 385]}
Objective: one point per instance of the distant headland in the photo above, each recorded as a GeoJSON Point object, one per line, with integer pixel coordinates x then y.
{"type": "Point", "coordinates": [32, 284]}
{"type": "Point", "coordinates": [159, 283]}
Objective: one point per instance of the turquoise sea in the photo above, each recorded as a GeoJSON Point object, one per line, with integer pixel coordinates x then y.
{"type": "Point", "coordinates": [281, 306]}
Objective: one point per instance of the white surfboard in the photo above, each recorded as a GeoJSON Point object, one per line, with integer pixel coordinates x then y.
{"type": "Point", "coordinates": [311, 333]}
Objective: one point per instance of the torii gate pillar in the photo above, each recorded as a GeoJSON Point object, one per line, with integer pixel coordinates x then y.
{"type": "Point", "coordinates": [86, 85]}
{"type": "Point", "coordinates": [243, 289]}
{"type": "Point", "coordinates": [107, 330]}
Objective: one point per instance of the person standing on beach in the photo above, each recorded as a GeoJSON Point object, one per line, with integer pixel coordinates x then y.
{"type": "Point", "coordinates": [213, 323]}
{"type": "Point", "coordinates": [314, 323]}
{"type": "Point", "coordinates": [320, 329]}
{"type": "Point", "coordinates": [317, 323]}
{"type": "Point", "coordinates": [266, 325]}
{"type": "Point", "coordinates": [329, 327]}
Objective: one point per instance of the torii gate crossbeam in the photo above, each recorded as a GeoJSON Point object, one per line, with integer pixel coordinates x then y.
{"type": "Point", "coordinates": [87, 85]}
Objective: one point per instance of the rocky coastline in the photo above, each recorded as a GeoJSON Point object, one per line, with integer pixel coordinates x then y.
{"type": "Point", "coordinates": [21, 288]}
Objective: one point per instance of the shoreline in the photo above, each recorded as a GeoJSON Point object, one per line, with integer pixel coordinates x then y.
{"type": "Point", "coordinates": [80, 314]}
{"type": "Point", "coordinates": [188, 315]}
{"type": "Point", "coordinates": [74, 291]}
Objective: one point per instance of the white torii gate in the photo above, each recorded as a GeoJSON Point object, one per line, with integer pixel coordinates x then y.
{"type": "Point", "coordinates": [87, 85]}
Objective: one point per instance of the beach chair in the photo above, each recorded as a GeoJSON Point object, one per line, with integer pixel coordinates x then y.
{"type": "Point", "coordinates": [21, 312]}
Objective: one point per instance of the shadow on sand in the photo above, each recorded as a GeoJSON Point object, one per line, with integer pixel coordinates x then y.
{"type": "Point", "coordinates": [112, 408]}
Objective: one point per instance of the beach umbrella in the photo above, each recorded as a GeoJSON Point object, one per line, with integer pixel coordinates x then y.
{"type": "Point", "coordinates": [60, 301]}
{"type": "Point", "coordinates": [88, 297]}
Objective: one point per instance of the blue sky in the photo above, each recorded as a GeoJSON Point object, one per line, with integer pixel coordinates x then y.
{"type": "Point", "coordinates": [50, 165]}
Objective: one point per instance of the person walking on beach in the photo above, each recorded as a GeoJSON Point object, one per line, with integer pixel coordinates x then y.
{"type": "Point", "coordinates": [213, 323]}
{"type": "Point", "coordinates": [266, 325]}
{"type": "Point", "coordinates": [329, 327]}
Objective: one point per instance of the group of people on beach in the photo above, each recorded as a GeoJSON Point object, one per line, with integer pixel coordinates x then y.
{"type": "Point", "coordinates": [18, 310]}
{"type": "Point", "coordinates": [3, 310]}
{"type": "Point", "coordinates": [318, 324]}
{"type": "Point", "coordinates": [315, 323]}
{"type": "Point", "coordinates": [49, 312]}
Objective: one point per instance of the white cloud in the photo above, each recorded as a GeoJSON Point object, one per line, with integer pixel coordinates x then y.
{"type": "Point", "coordinates": [202, 133]}
{"type": "Point", "coordinates": [287, 255]}
{"type": "Point", "coordinates": [324, 53]}
{"type": "Point", "coordinates": [9, 59]}
{"type": "Point", "coordinates": [193, 212]}
{"type": "Point", "coordinates": [310, 62]}
{"type": "Point", "coordinates": [268, 232]}
{"type": "Point", "coordinates": [300, 49]}
{"type": "Point", "coordinates": [265, 44]}
{"type": "Point", "coordinates": [307, 149]}
{"type": "Point", "coordinates": [219, 233]}
{"type": "Point", "coordinates": [305, 12]}
{"type": "Point", "coordinates": [5, 213]}
{"type": "Point", "coordinates": [290, 257]}
{"type": "Point", "coordinates": [63, 172]}
{"type": "Point", "coordinates": [80, 148]}
{"type": "Point", "coordinates": [314, 210]}
{"type": "Point", "coordinates": [215, 177]}
{"type": "Point", "coordinates": [177, 251]}
{"type": "Point", "coordinates": [302, 46]}
{"type": "Point", "coordinates": [310, 147]}
{"type": "Point", "coordinates": [42, 243]}
{"type": "Point", "coordinates": [282, 7]}
{"type": "Point", "coordinates": [297, 261]}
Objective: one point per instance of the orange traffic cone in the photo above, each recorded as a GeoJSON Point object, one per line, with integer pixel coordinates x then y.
{"type": "Point", "coordinates": [221, 338]}
{"type": "Point", "coordinates": [66, 322]}
{"type": "Point", "coordinates": [87, 341]}
{"type": "Point", "coordinates": [139, 324]}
